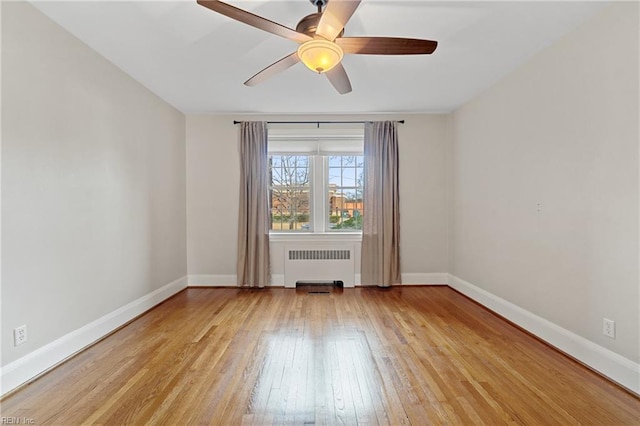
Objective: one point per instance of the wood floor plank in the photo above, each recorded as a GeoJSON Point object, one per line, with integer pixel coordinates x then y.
{"type": "Point", "coordinates": [422, 355]}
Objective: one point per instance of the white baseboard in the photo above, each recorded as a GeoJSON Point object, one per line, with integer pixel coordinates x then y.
{"type": "Point", "coordinates": [603, 360]}
{"type": "Point", "coordinates": [37, 362]}
{"type": "Point", "coordinates": [433, 278]}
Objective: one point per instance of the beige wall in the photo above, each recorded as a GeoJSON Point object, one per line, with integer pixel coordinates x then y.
{"type": "Point", "coordinates": [544, 183]}
{"type": "Point", "coordinates": [212, 192]}
{"type": "Point", "coordinates": [93, 184]}
{"type": "Point", "coordinates": [212, 176]}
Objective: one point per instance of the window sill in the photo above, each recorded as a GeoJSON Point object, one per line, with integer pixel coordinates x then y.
{"type": "Point", "coordinates": [275, 237]}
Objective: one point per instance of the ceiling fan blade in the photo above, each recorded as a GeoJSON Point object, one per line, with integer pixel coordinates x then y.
{"type": "Point", "coordinates": [386, 45]}
{"type": "Point", "coordinates": [273, 69]}
{"type": "Point", "coordinates": [254, 20]}
{"type": "Point", "coordinates": [335, 16]}
{"type": "Point", "coordinates": [339, 79]}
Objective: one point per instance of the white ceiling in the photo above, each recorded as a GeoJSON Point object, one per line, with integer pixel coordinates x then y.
{"type": "Point", "coordinates": [197, 60]}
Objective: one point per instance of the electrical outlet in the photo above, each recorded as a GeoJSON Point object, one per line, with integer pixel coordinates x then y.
{"type": "Point", "coordinates": [19, 335]}
{"type": "Point", "coordinates": [609, 328]}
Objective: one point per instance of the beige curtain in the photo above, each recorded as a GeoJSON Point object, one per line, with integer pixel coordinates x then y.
{"type": "Point", "coordinates": [253, 219]}
{"type": "Point", "coordinates": [381, 225]}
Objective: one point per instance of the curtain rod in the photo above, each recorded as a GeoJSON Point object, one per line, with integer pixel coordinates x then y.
{"type": "Point", "coordinates": [319, 122]}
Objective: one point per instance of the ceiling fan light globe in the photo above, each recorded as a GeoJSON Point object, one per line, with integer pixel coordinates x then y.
{"type": "Point", "coordinates": [320, 55]}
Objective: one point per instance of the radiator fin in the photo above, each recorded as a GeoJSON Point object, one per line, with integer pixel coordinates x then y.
{"type": "Point", "coordinates": [319, 254]}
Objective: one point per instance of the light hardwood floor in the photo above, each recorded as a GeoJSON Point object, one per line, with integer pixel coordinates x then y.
{"type": "Point", "coordinates": [418, 355]}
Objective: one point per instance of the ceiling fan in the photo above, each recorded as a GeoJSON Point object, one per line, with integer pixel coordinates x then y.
{"type": "Point", "coordinates": [321, 40]}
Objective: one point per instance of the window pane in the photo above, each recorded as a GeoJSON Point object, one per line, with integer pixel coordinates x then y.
{"type": "Point", "coordinates": [289, 193]}
{"type": "Point", "coordinates": [349, 178]}
{"type": "Point", "coordinates": [346, 207]}
{"type": "Point", "coordinates": [335, 161]}
{"type": "Point", "coordinates": [290, 210]}
{"type": "Point", "coordinates": [335, 177]}
{"type": "Point", "coordinates": [349, 161]}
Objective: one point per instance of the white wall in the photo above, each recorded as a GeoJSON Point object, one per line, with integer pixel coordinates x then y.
{"type": "Point", "coordinates": [93, 185]}
{"type": "Point", "coordinates": [544, 184]}
{"type": "Point", "coordinates": [212, 196]}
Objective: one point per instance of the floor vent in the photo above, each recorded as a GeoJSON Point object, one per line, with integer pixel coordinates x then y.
{"type": "Point", "coordinates": [319, 287]}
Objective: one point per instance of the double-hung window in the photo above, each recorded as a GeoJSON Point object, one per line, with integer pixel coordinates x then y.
{"type": "Point", "coordinates": [316, 179]}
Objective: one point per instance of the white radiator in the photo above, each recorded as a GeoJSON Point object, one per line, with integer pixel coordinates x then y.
{"type": "Point", "coordinates": [319, 263]}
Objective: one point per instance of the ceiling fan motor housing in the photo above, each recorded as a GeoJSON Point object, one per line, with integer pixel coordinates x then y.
{"type": "Point", "coordinates": [309, 24]}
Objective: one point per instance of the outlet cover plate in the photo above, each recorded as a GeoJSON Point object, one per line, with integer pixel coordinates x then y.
{"type": "Point", "coordinates": [19, 335]}
{"type": "Point", "coordinates": [609, 328]}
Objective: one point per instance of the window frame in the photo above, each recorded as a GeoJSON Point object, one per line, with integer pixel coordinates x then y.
{"type": "Point", "coordinates": [319, 187]}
